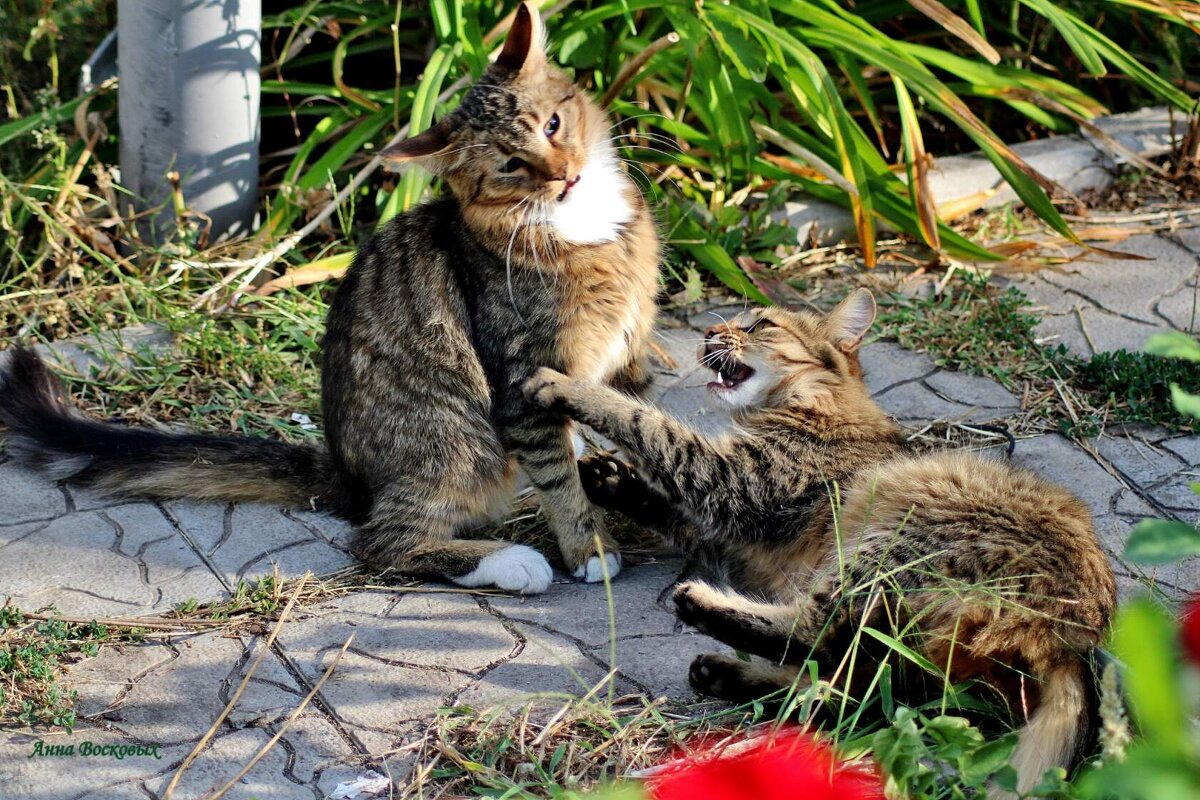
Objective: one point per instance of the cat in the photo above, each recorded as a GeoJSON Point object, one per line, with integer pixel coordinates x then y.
{"type": "Point", "coordinates": [814, 520]}
{"type": "Point", "coordinates": [544, 252]}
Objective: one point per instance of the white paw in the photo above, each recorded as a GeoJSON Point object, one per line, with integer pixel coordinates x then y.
{"type": "Point", "coordinates": [593, 572]}
{"type": "Point", "coordinates": [515, 569]}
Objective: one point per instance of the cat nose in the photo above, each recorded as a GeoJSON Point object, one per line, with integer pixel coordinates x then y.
{"type": "Point", "coordinates": [712, 339]}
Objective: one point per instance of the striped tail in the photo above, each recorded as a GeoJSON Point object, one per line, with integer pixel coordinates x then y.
{"type": "Point", "coordinates": [48, 434]}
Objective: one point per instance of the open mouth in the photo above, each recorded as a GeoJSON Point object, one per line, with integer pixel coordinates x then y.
{"type": "Point", "coordinates": [731, 373]}
{"type": "Point", "coordinates": [567, 187]}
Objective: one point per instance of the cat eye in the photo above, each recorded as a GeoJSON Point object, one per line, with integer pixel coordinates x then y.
{"type": "Point", "coordinates": [761, 322]}
{"type": "Point", "coordinates": [552, 125]}
{"type": "Point", "coordinates": [513, 164]}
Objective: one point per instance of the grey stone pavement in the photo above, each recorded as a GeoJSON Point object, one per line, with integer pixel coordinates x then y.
{"type": "Point", "coordinates": [418, 651]}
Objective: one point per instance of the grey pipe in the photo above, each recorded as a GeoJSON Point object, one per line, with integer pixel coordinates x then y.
{"type": "Point", "coordinates": [189, 100]}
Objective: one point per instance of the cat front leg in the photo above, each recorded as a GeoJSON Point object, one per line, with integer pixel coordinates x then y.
{"type": "Point", "coordinates": [544, 448]}
{"type": "Point", "coordinates": [700, 474]}
{"type": "Point", "coordinates": [783, 634]}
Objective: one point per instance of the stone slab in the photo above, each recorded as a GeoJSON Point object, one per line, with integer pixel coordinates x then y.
{"type": "Point", "coordinates": [124, 560]}
{"type": "Point", "coordinates": [25, 496]}
{"type": "Point", "coordinates": [581, 610]}
{"type": "Point", "coordinates": [244, 541]}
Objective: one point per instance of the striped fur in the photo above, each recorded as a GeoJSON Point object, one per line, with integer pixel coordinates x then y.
{"type": "Point", "coordinates": [444, 314]}
{"type": "Point", "coordinates": [810, 520]}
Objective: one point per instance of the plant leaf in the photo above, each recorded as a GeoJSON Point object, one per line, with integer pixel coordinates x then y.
{"type": "Point", "coordinates": [1174, 344]}
{"type": "Point", "coordinates": [1161, 541]}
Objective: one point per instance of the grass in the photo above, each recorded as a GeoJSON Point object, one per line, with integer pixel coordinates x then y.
{"type": "Point", "coordinates": [981, 329]}
{"type": "Point", "coordinates": [35, 652]}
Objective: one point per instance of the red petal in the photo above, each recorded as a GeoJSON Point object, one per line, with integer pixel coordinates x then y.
{"type": "Point", "coordinates": [1190, 631]}
{"type": "Point", "coordinates": [785, 767]}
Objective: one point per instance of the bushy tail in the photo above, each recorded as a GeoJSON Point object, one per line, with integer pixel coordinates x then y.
{"type": "Point", "coordinates": [1053, 735]}
{"type": "Point", "coordinates": [47, 433]}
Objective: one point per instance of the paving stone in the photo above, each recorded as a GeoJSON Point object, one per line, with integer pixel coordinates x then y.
{"type": "Point", "coordinates": [1187, 237]}
{"type": "Point", "coordinates": [410, 654]}
{"type": "Point", "coordinates": [175, 700]}
{"type": "Point", "coordinates": [1063, 329]}
{"type": "Point", "coordinates": [1107, 332]}
{"type": "Point", "coordinates": [1182, 308]}
{"type": "Point", "coordinates": [1176, 493]}
{"type": "Point", "coordinates": [549, 668]}
{"type": "Point", "coordinates": [247, 541]}
{"type": "Point", "coordinates": [1055, 458]}
{"type": "Point", "coordinates": [428, 629]}
{"type": "Point", "coordinates": [24, 495]}
{"type": "Point", "coordinates": [683, 345]}
{"type": "Point", "coordinates": [1138, 461]}
{"type": "Point", "coordinates": [973, 390]}
{"type": "Point", "coordinates": [1175, 581]}
{"type": "Point", "coordinates": [84, 499]}
{"type": "Point", "coordinates": [1131, 507]}
{"type": "Point", "coordinates": [886, 364]}
{"type": "Point", "coordinates": [78, 777]}
{"type": "Point", "coordinates": [817, 221]}
{"type": "Point", "coordinates": [1150, 132]}
{"type": "Point", "coordinates": [84, 355]}
{"type": "Point", "coordinates": [133, 562]}
{"type": "Point", "coordinates": [580, 610]}
{"type": "Point", "coordinates": [224, 758]}
{"type": "Point", "coordinates": [690, 401]}
{"type": "Point", "coordinates": [316, 747]}
{"type": "Point", "coordinates": [1186, 447]}
{"type": "Point", "coordinates": [916, 403]}
{"type": "Point", "coordinates": [337, 532]}
{"type": "Point", "coordinates": [660, 662]}
{"type": "Point", "coordinates": [104, 681]}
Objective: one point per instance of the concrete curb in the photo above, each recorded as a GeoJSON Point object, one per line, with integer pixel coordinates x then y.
{"type": "Point", "coordinates": [1077, 161]}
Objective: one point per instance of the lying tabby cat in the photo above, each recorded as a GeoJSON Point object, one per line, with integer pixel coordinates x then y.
{"type": "Point", "coordinates": [995, 574]}
{"type": "Point", "coordinates": [545, 254]}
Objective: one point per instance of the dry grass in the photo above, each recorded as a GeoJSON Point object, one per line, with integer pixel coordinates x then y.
{"type": "Point", "coordinates": [551, 744]}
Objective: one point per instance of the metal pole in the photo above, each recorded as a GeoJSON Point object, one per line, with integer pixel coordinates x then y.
{"type": "Point", "coordinates": [189, 100]}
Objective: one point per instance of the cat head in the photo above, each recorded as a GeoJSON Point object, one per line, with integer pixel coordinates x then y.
{"type": "Point", "coordinates": [526, 147]}
{"type": "Point", "coordinates": [776, 358]}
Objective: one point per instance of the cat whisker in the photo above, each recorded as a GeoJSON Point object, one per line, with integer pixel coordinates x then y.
{"type": "Point", "coordinates": [623, 120]}
{"type": "Point", "coordinates": [663, 140]}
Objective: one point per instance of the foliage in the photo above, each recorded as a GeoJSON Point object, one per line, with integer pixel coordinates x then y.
{"type": "Point", "coordinates": [1164, 764]}
{"type": "Point", "coordinates": [1161, 541]}
{"type": "Point", "coordinates": [819, 96]}
{"type": "Point", "coordinates": [33, 655]}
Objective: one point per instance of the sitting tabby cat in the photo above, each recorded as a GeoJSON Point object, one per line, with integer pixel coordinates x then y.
{"type": "Point", "coordinates": [545, 254]}
{"type": "Point", "coordinates": [995, 574]}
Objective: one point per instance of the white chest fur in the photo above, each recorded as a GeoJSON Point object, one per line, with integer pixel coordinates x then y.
{"type": "Point", "coordinates": [596, 207]}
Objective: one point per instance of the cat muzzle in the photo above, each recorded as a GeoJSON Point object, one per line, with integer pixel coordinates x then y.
{"type": "Point", "coordinates": [567, 187]}
{"type": "Point", "coordinates": [730, 372]}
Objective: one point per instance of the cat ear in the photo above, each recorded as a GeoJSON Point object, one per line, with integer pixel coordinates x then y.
{"type": "Point", "coordinates": [427, 147]}
{"type": "Point", "coordinates": [849, 322]}
{"type": "Point", "coordinates": [524, 46]}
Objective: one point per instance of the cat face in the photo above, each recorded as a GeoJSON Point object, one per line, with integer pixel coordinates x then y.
{"type": "Point", "coordinates": [526, 148]}
{"type": "Point", "coordinates": [772, 357]}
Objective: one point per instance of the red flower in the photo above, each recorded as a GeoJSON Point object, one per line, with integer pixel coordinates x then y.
{"type": "Point", "coordinates": [784, 767]}
{"type": "Point", "coordinates": [1190, 631]}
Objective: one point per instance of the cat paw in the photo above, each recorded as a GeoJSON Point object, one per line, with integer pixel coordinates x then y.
{"type": "Point", "coordinates": [546, 387]}
{"type": "Point", "coordinates": [602, 476]}
{"type": "Point", "coordinates": [516, 568]}
{"type": "Point", "coordinates": [690, 604]}
{"type": "Point", "coordinates": [592, 570]}
{"type": "Point", "coordinates": [714, 675]}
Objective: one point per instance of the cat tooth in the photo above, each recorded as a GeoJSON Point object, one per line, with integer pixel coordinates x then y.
{"type": "Point", "coordinates": [720, 377]}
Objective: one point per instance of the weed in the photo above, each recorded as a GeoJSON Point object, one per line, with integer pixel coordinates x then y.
{"type": "Point", "coordinates": [34, 655]}
{"type": "Point", "coordinates": [981, 329]}
{"type": "Point", "coordinates": [1137, 386]}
